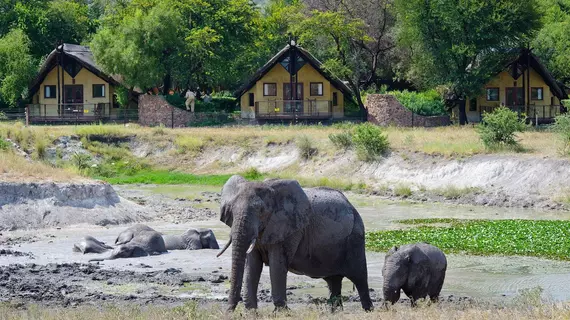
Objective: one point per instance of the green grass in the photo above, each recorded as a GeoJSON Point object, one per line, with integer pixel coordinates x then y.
{"type": "Point", "coordinates": [402, 191]}
{"type": "Point", "coordinates": [538, 238]}
{"type": "Point", "coordinates": [453, 192]}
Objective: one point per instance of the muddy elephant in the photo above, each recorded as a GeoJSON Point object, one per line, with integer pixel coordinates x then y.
{"type": "Point", "coordinates": [313, 232]}
{"type": "Point", "coordinates": [192, 239]}
{"type": "Point", "coordinates": [91, 245]}
{"type": "Point", "coordinates": [417, 269]}
{"type": "Point", "coordinates": [137, 241]}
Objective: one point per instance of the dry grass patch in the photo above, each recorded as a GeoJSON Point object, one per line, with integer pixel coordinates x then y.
{"type": "Point", "coordinates": [15, 168]}
{"type": "Point", "coordinates": [193, 311]}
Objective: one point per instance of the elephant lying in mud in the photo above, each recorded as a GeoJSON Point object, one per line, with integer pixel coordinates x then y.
{"type": "Point", "coordinates": [314, 232]}
{"type": "Point", "coordinates": [418, 269]}
{"type": "Point", "coordinates": [192, 239]}
{"type": "Point", "coordinates": [91, 245]}
{"type": "Point", "coordinates": [137, 241]}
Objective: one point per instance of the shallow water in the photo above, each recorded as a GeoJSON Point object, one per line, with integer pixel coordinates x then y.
{"type": "Point", "coordinates": [475, 276]}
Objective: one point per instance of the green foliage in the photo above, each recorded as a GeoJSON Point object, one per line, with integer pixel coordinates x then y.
{"type": "Point", "coordinates": [562, 127]}
{"type": "Point", "coordinates": [342, 140]}
{"type": "Point", "coordinates": [3, 116]}
{"type": "Point", "coordinates": [306, 147]}
{"type": "Point", "coordinates": [427, 103]}
{"type": "Point", "coordinates": [499, 128]}
{"type": "Point", "coordinates": [252, 174]}
{"type": "Point", "coordinates": [109, 168]}
{"type": "Point", "coordinates": [81, 161]}
{"type": "Point", "coordinates": [402, 191]}
{"type": "Point", "coordinates": [370, 142]}
{"type": "Point", "coordinates": [539, 238]}
{"type": "Point", "coordinates": [189, 144]}
{"type": "Point", "coordinates": [218, 103]}
{"type": "Point", "coordinates": [4, 145]}
{"type": "Point", "coordinates": [184, 43]}
{"type": "Point", "coordinates": [122, 95]}
{"type": "Point", "coordinates": [41, 149]}
{"type": "Point", "coordinates": [462, 44]}
{"type": "Point", "coordinates": [169, 177]}
{"type": "Point", "coordinates": [17, 66]}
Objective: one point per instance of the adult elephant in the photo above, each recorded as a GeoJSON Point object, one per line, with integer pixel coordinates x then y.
{"type": "Point", "coordinates": [314, 232]}
{"type": "Point", "coordinates": [137, 241]}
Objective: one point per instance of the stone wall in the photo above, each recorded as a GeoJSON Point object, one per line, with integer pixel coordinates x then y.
{"type": "Point", "coordinates": [154, 111]}
{"type": "Point", "coordinates": [386, 110]}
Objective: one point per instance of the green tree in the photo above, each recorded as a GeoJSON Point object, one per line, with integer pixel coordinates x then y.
{"type": "Point", "coordinates": [461, 44]}
{"type": "Point", "coordinates": [552, 44]}
{"type": "Point", "coordinates": [176, 42]}
{"type": "Point", "coordinates": [17, 66]}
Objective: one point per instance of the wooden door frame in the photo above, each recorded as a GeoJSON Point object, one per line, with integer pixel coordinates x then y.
{"type": "Point", "coordinates": [514, 95]}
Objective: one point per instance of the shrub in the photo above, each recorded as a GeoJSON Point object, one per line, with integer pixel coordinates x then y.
{"type": "Point", "coordinates": [562, 127]}
{"type": "Point", "coordinates": [403, 191]}
{"type": "Point", "coordinates": [41, 147]}
{"type": "Point", "coordinates": [305, 146]}
{"type": "Point", "coordinates": [369, 141]}
{"type": "Point", "coordinates": [4, 145]}
{"type": "Point", "coordinates": [3, 116]}
{"type": "Point", "coordinates": [219, 103]}
{"type": "Point", "coordinates": [341, 140]}
{"type": "Point", "coordinates": [81, 160]}
{"type": "Point", "coordinates": [499, 128]}
{"type": "Point", "coordinates": [252, 174]}
{"type": "Point", "coordinates": [159, 131]}
{"type": "Point", "coordinates": [427, 103]}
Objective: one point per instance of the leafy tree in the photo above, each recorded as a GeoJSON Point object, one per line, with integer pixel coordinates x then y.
{"type": "Point", "coordinates": [17, 66]}
{"type": "Point", "coordinates": [179, 42]}
{"type": "Point", "coordinates": [461, 44]}
{"type": "Point", "coordinates": [552, 44]}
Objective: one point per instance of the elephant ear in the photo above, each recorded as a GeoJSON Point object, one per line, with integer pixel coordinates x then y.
{"type": "Point", "coordinates": [229, 190]}
{"type": "Point", "coordinates": [290, 213]}
{"type": "Point", "coordinates": [420, 272]}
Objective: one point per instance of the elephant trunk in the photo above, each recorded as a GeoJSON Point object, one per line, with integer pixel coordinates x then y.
{"type": "Point", "coordinates": [391, 294]}
{"type": "Point", "coordinates": [239, 252]}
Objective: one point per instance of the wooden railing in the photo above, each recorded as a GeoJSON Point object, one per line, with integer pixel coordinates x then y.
{"type": "Point", "coordinates": [532, 112]}
{"type": "Point", "coordinates": [293, 109]}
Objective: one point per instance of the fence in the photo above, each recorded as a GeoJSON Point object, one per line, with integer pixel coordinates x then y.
{"type": "Point", "coordinates": [293, 109]}
{"type": "Point", "coordinates": [535, 114]}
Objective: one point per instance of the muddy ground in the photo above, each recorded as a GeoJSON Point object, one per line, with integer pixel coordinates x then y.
{"type": "Point", "coordinates": [38, 266]}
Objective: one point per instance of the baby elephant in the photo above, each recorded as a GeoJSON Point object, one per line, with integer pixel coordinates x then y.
{"type": "Point", "coordinates": [137, 241]}
{"type": "Point", "coordinates": [91, 245]}
{"type": "Point", "coordinates": [192, 239]}
{"type": "Point", "coordinates": [418, 269]}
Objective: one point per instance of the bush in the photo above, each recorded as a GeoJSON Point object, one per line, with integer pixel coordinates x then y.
{"type": "Point", "coordinates": [252, 174]}
{"type": "Point", "coordinates": [427, 103]}
{"type": "Point", "coordinates": [499, 128]}
{"type": "Point", "coordinates": [369, 141]}
{"type": "Point", "coordinates": [3, 116]}
{"type": "Point", "coordinates": [4, 145]}
{"type": "Point", "coordinates": [41, 147]}
{"type": "Point", "coordinates": [341, 140]}
{"type": "Point", "coordinates": [219, 103]}
{"type": "Point", "coordinates": [562, 127]}
{"type": "Point", "coordinates": [187, 144]}
{"type": "Point", "coordinates": [305, 146]}
{"type": "Point", "coordinates": [81, 160]}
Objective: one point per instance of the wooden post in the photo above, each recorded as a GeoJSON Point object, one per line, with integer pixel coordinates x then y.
{"type": "Point", "coordinates": [27, 114]}
{"type": "Point", "coordinates": [172, 117]}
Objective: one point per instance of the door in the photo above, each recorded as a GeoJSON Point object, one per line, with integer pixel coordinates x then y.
{"type": "Point", "coordinates": [293, 106]}
{"type": "Point", "coordinates": [514, 97]}
{"type": "Point", "coordinates": [73, 99]}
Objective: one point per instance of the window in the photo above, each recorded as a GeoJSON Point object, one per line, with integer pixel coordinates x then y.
{"type": "Point", "coordinates": [473, 105]}
{"type": "Point", "coordinates": [316, 89]}
{"type": "Point", "coordinates": [98, 91]}
{"type": "Point", "coordinates": [492, 94]}
{"type": "Point", "coordinates": [536, 94]}
{"type": "Point", "coordinates": [335, 99]}
{"type": "Point", "coordinates": [49, 92]}
{"type": "Point", "coordinates": [251, 99]}
{"type": "Point", "coordinates": [270, 89]}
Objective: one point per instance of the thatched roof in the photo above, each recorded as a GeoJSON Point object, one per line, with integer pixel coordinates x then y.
{"type": "Point", "coordinates": [80, 54]}
{"type": "Point", "coordinates": [307, 56]}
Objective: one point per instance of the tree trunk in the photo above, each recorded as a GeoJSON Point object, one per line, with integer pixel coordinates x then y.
{"type": "Point", "coordinates": [462, 112]}
{"type": "Point", "coordinates": [167, 82]}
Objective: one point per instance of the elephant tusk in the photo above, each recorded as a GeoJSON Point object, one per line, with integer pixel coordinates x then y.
{"type": "Point", "coordinates": [250, 249]}
{"type": "Point", "coordinates": [225, 248]}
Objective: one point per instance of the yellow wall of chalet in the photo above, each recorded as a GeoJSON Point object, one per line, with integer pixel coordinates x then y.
{"type": "Point", "coordinates": [85, 78]}
{"type": "Point", "coordinates": [503, 81]}
{"type": "Point", "coordinates": [280, 76]}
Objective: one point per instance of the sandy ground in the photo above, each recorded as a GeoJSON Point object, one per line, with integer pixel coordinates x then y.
{"type": "Point", "coordinates": [39, 265]}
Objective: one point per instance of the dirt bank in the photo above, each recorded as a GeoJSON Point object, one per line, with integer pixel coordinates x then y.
{"type": "Point", "coordinates": [513, 180]}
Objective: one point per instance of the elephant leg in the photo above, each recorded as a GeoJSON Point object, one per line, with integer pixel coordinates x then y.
{"type": "Point", "coordinates": [278, 265]}
{"type": "Point", "coordinates": [335, 286]}
{"type": "Point", "coordinates": [253, 273]}
{"type": "Point", "coordinates": [361, 283]}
